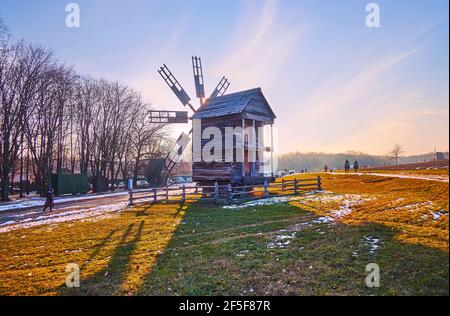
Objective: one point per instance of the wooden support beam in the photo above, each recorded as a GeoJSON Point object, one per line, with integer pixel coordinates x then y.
{"type": "Point", "coordinates": [271, 149]}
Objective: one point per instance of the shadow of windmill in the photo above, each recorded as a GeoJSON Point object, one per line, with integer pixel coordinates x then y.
{"type": "Point", "coordinates": [109, 280]}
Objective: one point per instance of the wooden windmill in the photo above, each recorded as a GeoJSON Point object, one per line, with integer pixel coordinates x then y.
{"type": "Point", "coordinates": [168, 117]}
{"type": "Point", "coordinates": [243, 111]}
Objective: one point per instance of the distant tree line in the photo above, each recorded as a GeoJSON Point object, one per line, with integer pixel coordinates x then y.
{"type": "Point", "coordinates": [52, 120]}
{"type": "Point", "coordinates": [314, 161]}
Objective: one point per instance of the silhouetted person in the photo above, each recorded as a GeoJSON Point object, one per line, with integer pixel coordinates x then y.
{"type": "Point", "coordinates": [325, 168]}
{"type": "Point", "coordinates": [356, 166]}
{"type": "Point", "coordinates": [49, 203]}
{"type": "Point", "coordinates": [347, 165]}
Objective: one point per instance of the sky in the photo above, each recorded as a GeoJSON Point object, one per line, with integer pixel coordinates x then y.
{"type": "Point", "coordinates": [334, 83]}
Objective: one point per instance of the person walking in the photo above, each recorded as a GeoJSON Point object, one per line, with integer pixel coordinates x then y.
{"type": "Point", "coordinates": [325, 168]}
{"type": "Point", "coordinates": [347, 165]}
{"type": "Point", "coordinates": [355, 166]}
{"type": "Point", "coordinates": [49, 202]}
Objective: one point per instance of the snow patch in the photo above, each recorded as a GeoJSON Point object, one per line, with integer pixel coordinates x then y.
{"type": "Point", "coordinates": [405, 176]}
{"type": "Point", "coordinates": [281, 241]}
{"type": "Point", "coordinates": [373, 243]}
{"type": "Point", "coordinates": [261, 202]}
{"type": "Point", "coordinates": [438, 215]}
{"type": "Point", "coordinates": [243, 253]}
{"type": "Point", "coordinates": [34, 202]}
{"type": "Point", "coordinates": [94, 213]}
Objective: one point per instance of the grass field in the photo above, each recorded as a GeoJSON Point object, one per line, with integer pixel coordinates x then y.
{"type": "Point", "coordinates": [442, 172]}
{"type": "Point", "coordinates": [315, 244]}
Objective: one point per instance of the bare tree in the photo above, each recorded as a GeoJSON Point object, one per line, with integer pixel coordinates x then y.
{"type": "Point", "coordinates": [395, 152]}
{"type": "Point", "coordinates": [21, 67]}
{"type": "Point", "coordinates": [4, 33]}
{"type": "Point", "coordinates": [44, 127]}
{"type": "Point", "coordinates": [68, 123]}
{"type": "Point", "coordinates": [147, 141]}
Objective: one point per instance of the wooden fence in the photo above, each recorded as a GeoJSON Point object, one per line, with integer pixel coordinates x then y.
{"type": "Point", "coordinates": [223, 193]}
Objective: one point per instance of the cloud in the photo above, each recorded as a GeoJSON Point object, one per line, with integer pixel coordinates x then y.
{"type": "Point", "coordinates": [330, 98]}
{"type": "Point", "coordinates": [172, 41]}
{"type": "Point", "coordinates": [415, 129]}
{"type": "Point", "coordinates": [261, 46]}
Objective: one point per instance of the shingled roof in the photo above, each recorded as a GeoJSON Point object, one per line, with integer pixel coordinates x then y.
{"type": "Point", "coordinates": [228, 104]}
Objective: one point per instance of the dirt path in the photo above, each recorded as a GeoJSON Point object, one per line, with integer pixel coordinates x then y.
{"type": "Point", "coordinates": [81, 208]}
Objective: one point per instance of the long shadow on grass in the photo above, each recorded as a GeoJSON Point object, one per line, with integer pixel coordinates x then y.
{"type": "Point", "coordinates": [322, 259]}
{"type": "Point", "coordinates": [110, 279]}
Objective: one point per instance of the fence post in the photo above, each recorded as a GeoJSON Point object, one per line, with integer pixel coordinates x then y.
{"type": "Point", "coordinates": [295, 186]}
{"type": "Point", "coordinates": [155, 196]}
{"type": "Point", "coordinates": [131, 197]}
{"type": "Point", "coordinates": [196, 187]}
{"type": "Point", "coordinates": [282, 184]}
{"type": "Point", "coordinates": [266, 191]}
{"type": "Point", "coordinates": [230, 192]}
{"type": "Point", "coordinates": [183, 194]}
{"type": "Point", "coordinates": [167, 192]}
{"type": "Point", "coordinates": [216, 192]}
{"type": "Point", "coordinates": [319, 183]}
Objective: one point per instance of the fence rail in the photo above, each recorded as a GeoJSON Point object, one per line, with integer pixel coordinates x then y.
{"type": "Point", "coordinates": [222, 193]}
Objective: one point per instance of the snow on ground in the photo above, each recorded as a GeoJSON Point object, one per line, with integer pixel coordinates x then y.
{"type": "Point", "coordinates": [438, 215]}
{"type": "Point", "coordinates": [428, 205]}
{"type": "Point", "coordinates": [398, 175]}
{"type": "Point", "coordinates": [38, 201]}
{"type": "Point", "coordinates": [372, 242]}
{"type": "Point", "coordinates": [415, 206]}
{"type": "Point", "coordinates": [94, 213]}
{"type": "Point", "coordinates": [261, 202]}
{"type": "Point", "coordinates": [281, 241]}
{"type": "Point", "coordinates": [243, 253]}
{"type": "Point", "coordinates": [285, 236]}
{"type": "Point", "coordinates": [347, 202]}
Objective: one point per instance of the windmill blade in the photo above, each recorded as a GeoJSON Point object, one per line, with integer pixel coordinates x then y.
{"type": "Point", "coordinates": [176, 152]}
{"type": "Point", "coordinates": [198, 78]}
{"type": "Point", "coordinates": [168, 117]}
{"type": "Point", "coordinates": [221, 88]}
{"type": "Point", "coordinates": [175, 86]}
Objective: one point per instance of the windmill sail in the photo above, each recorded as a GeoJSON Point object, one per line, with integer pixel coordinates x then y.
{"type": "Point", "coordinates": [221, 88]}
{"type": "Point", "coordinates": [176, 152]}
{"type": "Point", "coordinates": [174, 85]}
{"type": "Point", "coordinates": [198, 77]}
{"type": "Point", "coordinates": [180, 117]}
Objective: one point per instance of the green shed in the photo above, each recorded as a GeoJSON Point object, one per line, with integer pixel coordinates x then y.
{"type": "Point", "coordinates": [69, 183]}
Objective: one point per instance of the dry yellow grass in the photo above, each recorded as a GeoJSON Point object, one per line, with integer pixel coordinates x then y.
{"type": "Point", "coordinates": [405, 205]}
{"type": "Point", "coordinates": [441, 172]}
{"type": "Point", "coordinates": [118, 255]}
{"type": "Point", "coordinates": [113, 254]}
